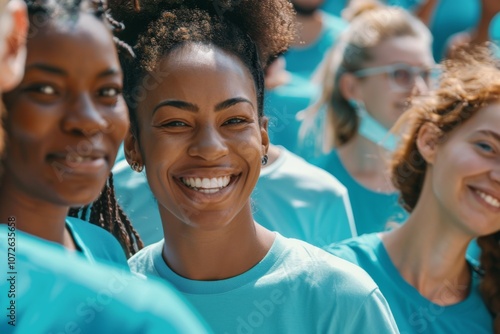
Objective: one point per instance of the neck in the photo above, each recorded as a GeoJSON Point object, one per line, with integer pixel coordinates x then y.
{"type": "Point", "coordinates": [214, 254]}
{"type": "Point", "coordinates": [430, 253]}
{"type": "Point", "coordinates": [310, 27]}
{"type": "Point", "coordinates": [33, 216]}
{"type": "Point", "coordinates": [367, 163]}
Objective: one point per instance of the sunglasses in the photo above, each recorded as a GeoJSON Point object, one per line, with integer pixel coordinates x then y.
{"type": "Point", "coordinates": [402, 76]}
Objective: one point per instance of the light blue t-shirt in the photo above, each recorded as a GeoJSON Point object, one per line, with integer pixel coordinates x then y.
{"type": "Point", "coordinates": [335, 7]}
{"type": "Point", "coordinates": [281, 107]}
{"type": "Point", "coordinates": [412, 311]}
{"type": "Point", "coordinates": [95, 243]}
{"type": "Point", "coordinates": [295, 288]}
{"type": "Point", "coordinates": [291, 197]}
{"type": "Point", "coordinates": [47, 289]}
{"type": "Point", "coordinates": [303, 61]}
{"type": "Point", "coordinates": [373, 211]}
{"type": "Point", "coordinates": [302, 201]}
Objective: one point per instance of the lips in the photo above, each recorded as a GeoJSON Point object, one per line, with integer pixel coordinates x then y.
{"type": "Point", "coordinates": [490, 199]}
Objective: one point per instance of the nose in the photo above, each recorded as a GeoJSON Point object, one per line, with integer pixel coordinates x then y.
{"type": "Point", "coordinates": [419, 87]}
{"type": "Point", "coordinates": [495, 173]}
{"type": "Point", "coordinates": [208, 144]}
{"type": "Point", "coordinates": [82, 117]}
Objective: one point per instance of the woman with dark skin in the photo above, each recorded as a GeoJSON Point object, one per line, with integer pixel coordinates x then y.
{"type": "Point", "coordinates": [200, 134]}
{"type": "Point", "coordinates": [65, 122]}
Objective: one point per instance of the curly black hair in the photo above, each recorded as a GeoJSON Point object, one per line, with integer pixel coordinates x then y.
{"type": "Point", "coordinates": [254, 31]}
{"type": "Point", "coordinates": [105, 211]}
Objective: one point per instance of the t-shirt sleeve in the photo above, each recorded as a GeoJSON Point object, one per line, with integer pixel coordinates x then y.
{"type": "Point", "coordinates": [343, 251]}
{"type": "Point", "coordinates": [373, 316]}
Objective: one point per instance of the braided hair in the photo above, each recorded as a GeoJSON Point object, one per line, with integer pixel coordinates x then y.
{"type": "Point", "coordinates": [105, 211]}
{"type": "Point", "coordinates": [252, 30]}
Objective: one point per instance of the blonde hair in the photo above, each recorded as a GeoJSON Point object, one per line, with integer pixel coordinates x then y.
{"type": "Point", "coordinates": [371, 24]}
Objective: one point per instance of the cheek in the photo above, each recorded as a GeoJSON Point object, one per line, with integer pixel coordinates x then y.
{"type": "Point", "coordinates": [119, 124]}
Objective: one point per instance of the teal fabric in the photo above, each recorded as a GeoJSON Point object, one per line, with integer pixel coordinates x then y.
{"type": "Point", "coordinates": [55, 291]}
{"type": "Point", "coordinates": [303, 61]}
{"type": "Point", "coordinates": [373, 211]}
{"type": "Point", "coordinates": [413, 312]}
{"type": "Point", "coordinates": [291, 197]}
{"type": "Point", "coordinates": [335, 7]}
{"type": "Point", "coordinates": [302, 201]}
{"type": "Point", "coordinates": [295, 288]}
{"type": "Point", "coordinates": [95, 243]}
{"type": "Point", "coordinates": [281, 107]}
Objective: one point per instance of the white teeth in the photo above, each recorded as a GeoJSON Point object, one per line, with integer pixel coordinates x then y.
{"type": "Point", "coordinates": [489, 199]}
{"type": "Point", "coordinates": [206, 185]}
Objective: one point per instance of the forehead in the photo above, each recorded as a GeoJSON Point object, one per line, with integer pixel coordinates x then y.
{"type": "Point", "coordinates": [85, 40]}
{"type": "Point", "coordinates": [485, 119]}
{"type": "Point", "coordinates": [203, 73]}
{"type": "Point", "coordinates": [407, 49]}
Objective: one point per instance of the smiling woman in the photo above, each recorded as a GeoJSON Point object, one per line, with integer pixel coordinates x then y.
{"type": "Point", "coordinates": [448, 172]}
{"type": "Point", "coordinates": [65, 122]}
{"type": "Point", "coordinates": [201, 136]}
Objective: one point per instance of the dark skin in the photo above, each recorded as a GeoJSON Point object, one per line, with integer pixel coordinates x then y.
{"type": "Point", "coordinates": [65, 123]}
{"type": "Point", "coordinates": [201, 122]}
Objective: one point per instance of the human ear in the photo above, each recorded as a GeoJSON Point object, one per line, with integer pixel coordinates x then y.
{"type": "Point", "coordinates": [349, 86]}
{"type": "Point", "coordinates": [264, 122]}
{"type": "Point", "coordinates": [428, 141]}
{"type": "Point", "coordinates": [132, 150]}
{"type": "Point", "coordinates": [13, 55]}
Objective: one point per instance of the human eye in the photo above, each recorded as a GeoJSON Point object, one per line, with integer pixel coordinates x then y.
{"type": "Point", "coordinates": [402, 76]}
{"type": "Point", "coordinates": [484, 146]}
{"type": "Point", "coordinates": [174, 124]}
{"type": "Point", "coordinates": [235, 121]}
{"type": "Point", "coordinates": [43, 89]}
{"type": "Point", "coordinates": [110, 92]}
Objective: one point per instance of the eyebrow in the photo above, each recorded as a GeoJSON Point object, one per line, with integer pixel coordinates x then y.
{"type": "Point", "coordinates": [61, 72]}
{"type": "Point", "coordinates": [194, 108]}
{"type": "Point", "coordinates": [489, 133]}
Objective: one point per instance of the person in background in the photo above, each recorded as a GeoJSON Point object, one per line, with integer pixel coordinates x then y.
{"type": "Point", "coordinates": [382, 59]}
{"type": "Point", "coordinates": [317, 33]}
{"type": "Point", "coordinates": [448, 172]}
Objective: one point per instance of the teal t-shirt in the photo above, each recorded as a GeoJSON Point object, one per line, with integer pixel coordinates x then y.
{"type": "Point", "coordinates": [295, 288]}
{"type": "Point", "coordinates": [303, 61]}
{"type": "Point", "coordinates": [302, 201]}
{"type": "Point", "coordinates": [281, 107]}
{"type": "Point", "coordinates": [46, 289]}
{"type": "Point", "coordinates": [413, 312]}
{"type": "Point", "coordinates": [95, 243]}
{"type": "Point", "coordinates": [373, 211]}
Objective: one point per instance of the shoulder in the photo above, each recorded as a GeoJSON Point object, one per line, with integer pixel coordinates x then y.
{"type": "Point", "coordinates": [143, 262]}
{"type": "Point", "coordinates": [333, 272]}
{"type": "Point", "coordinates": [309, 175]}
{"type": "Point", "coordinates": [100, 243]}
{"type": "Point", "coordinates": [356, 249]}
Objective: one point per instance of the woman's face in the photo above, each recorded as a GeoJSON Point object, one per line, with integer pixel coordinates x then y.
{"type": "Point", "coordinates": [200, 137]}
{"type": "Point", "coordinates": [67, 117]}
{"type": "Point", "coordinates": [384, 99]}
{"type": "Point", "coordinates": [466, 173]}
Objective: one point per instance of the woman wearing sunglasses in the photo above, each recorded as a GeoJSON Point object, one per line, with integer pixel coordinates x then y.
{"type": "Point", "coordinates": [383, 58]}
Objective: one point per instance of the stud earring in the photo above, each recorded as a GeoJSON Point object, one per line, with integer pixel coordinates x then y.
{"type": "Point", "coordinates": [264, 160]}
{"type": "Point", "coordinates": [137, 167]}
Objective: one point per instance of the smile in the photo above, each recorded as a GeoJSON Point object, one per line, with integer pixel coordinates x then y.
{"type": "Point", "coordinates": [494, 202]}
{"type": "Point", "coordinates": [207, 185]}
